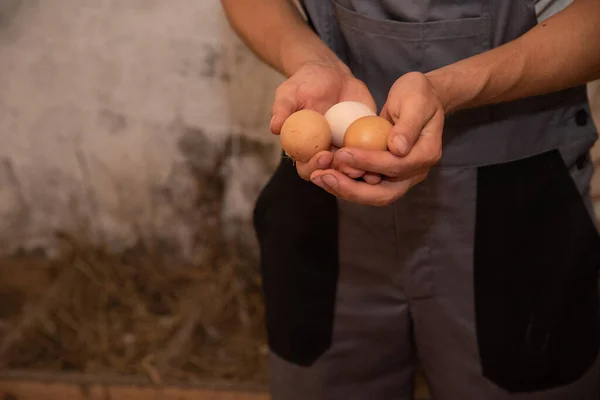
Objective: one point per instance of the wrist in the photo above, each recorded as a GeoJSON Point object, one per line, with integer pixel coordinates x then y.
{"type": "Point", "coordinates": [294, 57]}
{"type": "Point", "coordinates": [488, 78]}
{"type": "Point", "coordinates": [454, 90]}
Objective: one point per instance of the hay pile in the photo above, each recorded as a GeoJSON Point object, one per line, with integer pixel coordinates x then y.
{"type": "Point", "coordinates": [128, 314]}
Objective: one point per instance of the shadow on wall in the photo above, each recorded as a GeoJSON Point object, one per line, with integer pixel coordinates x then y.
{"type": "Point", "coordinates": [11, 13]}
{"type": "Point", "coordinates": [8, 11]}
{"type": "Point", "coordinates": [254, 150]}
{"type": "Point", "coordinates": [232, 166]}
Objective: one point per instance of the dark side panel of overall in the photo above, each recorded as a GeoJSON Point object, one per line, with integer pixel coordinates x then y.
{"type": "Point", "coordinates": [297, 228]}
{"type": "Point", "coordinates": [536, 261]}
{"type": "Point", "coordinates": [296, 224]}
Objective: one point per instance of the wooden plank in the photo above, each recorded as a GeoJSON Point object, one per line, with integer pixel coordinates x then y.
{"type": "Point", "coordinates": [34, 385]}
{"type": "Point", "coordinates": [31, 390]}
{"type": "Point", "coordinates": [28, 390]}
{"type": "Point", "coordinates": [120, 380]}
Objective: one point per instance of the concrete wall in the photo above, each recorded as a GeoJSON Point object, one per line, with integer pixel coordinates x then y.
{"type": "Point", "coordinates": [130, 120]}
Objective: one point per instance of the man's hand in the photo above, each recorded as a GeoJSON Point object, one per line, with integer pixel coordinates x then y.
{"type": "Point", "coordinates": [318, 86]}
{"type": "Point", "coordinates": [317, 79]}
{"type": "Point", "coordinates": [415, 145]}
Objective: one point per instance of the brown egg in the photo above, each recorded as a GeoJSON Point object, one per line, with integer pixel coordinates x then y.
{"type": "Point", "coordinates": [370, 133]}
{"type": "Point", "coordinates": [304, 134]}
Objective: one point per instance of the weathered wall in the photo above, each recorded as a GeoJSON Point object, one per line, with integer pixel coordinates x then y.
{"type": "Point", "coordinates": [123, 120]}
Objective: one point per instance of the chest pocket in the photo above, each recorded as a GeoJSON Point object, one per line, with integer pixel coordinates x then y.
{"type": "Point", "coordinates": [419, 11]}
{"type": "Point", "coordinates": [380, 50]}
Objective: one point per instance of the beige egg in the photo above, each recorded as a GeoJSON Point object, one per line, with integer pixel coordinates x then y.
{"type": "Point", "coordinates": [304, 134]}
{"type": "Point", "coordinates": [341, 115]}
{"type": "Point", "coordinates": [370, 133]}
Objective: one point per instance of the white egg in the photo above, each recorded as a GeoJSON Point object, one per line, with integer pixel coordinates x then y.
{"type": "Point", "coordinates": [341, 115]}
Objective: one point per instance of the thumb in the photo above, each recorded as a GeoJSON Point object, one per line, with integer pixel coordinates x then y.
{"type": "Point", "coordinates": [408, 122]}
{"type": "Point", "coordinates": [284, 105]}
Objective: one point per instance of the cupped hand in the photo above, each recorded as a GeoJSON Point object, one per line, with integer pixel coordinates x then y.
{"type": "Point", "coordinates": [415, 145]}
{"type": "Point", "coordinates": [318, 86]}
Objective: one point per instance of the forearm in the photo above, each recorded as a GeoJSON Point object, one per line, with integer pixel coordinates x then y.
{"type": "Point", "coordinates": [275, 31]}
{"type": "Point", "coordinates": [559, 53]}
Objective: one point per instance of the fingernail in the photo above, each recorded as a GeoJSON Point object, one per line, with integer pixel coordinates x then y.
{"type": "Point", "coordinates": [401, 144]}
{"type": "Point", "coordinates": [271, 126]}
{"type": "Point", "coordinates": [329, 180]}
{"type": "Point", "coordinates": [325, 160]}
{"type": "Point", "coordinates": [344, 157]}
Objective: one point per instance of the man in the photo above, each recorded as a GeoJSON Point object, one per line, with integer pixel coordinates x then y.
{"type": "Point", "coordinates": [470, 245]}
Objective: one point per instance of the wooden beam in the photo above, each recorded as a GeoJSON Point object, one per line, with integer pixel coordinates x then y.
{"type": "Point", "coordinates": [32, 390]}
{"type": "Point", "coordinates": [32, 385]}
{"type": "Point", "coordinates": [29, 385]}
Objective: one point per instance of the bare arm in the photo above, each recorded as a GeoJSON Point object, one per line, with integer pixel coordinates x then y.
{"type": "Point", "coordinates": [561, 52]}
{"type": "Point", "coordinates": [276, 32]}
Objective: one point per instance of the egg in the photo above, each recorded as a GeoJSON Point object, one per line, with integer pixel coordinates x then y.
{"type": "Point", "coordinates": [304, 134]}
{"type": "Point", "coordinates": [341, 115]}
{"type": "Point", "coordinates": [370, 133]}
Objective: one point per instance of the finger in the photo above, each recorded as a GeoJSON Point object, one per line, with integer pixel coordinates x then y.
{"type": "Point", "coordinates": [359, 92]}
{"type": "Point", "coordinates": [386, 114]}
{"type": "Point", "coordinates": [409, 118]}
{"type": "Point", "coordinates": [321, 160]}
{"type": "Point", "coordinates": [425, 153]}
{"type": "Point", "coordinates": [349, 171]}
{"type": "Point", "coordinates": [380, 162]}
{"type": "Point", "coordinates": [284, 105]}
{"type": "Point", "coordinates": [372, 178]}
{"type": "Point", "coordinates": [363, 193]}
{"type": "Point", "coordinates": [341, 186]}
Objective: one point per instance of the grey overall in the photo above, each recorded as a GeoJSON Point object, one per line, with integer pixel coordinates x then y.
{"type": "Point", "coordinates": [486, 272]}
